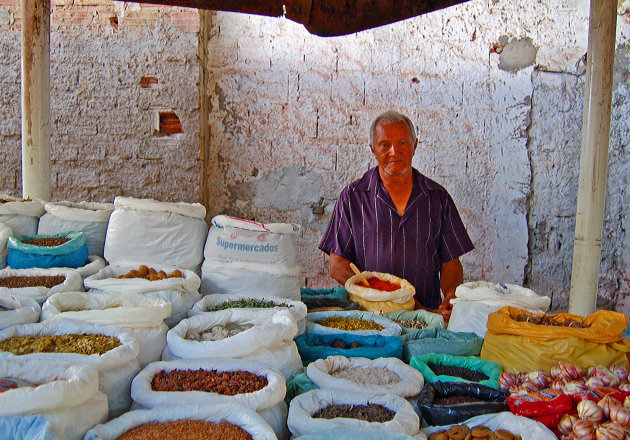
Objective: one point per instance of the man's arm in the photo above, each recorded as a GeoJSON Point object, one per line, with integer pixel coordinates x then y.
{"type": "Point", "coordinates": [340, 268]}
{"type": "Point", "coordinates": [451, 276]}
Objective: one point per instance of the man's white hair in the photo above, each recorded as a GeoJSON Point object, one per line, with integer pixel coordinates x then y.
{"type": "Point", "coordinates": [391, 117]}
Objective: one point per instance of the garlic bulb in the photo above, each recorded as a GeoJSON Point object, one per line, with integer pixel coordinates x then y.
{"type": "Point", "coordinates": [555, 371]}
{"type": "Point", "coordinates": [539, 377]}
{"type": "Point", "coordinates": [576, 386]}
{"type": "Point", "coordinates": [565, 426]}
{"type": "Point", "coordinates": [620, 371]}
{"type": "Point", "coordinates": [558, 383]}
{"type": "Point", "coordinates": [570, 371]}
{"type": "Point", "coordinates": [610, 431]}
{"type": "Point", "coordinates": [593, 383]}
{"type": "Point", "coordinates": [624, 387]}
{"type": "Point", "coordinates": [609, 379]}
{"type": "Point", "coordinates": [530, 386]}
{"type": "Point", "coordinates": [620, 415]}
{"type": "Point", "coordinates": [584, 429]}
{"type": "Point", "coordinates": [588, 410]}
{"type": "Point", "coordinates": [606, 403]}
{"type": "Point", "coordinates": [626, 403]}
{"type": "Point", "coordinates": [508, 380]}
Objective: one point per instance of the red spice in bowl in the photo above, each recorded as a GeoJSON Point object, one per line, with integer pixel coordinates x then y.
{"type": "Point", "coordinates": [382, 285]}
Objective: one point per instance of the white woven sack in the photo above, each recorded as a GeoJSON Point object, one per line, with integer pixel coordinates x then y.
{"type": "Point", "coordinates": [390, 328]}
{"type": "Point", "coordinates": [475, 300]}
{"type": "Point", "coordinates": [21, 216]}
{"type": "Point", "coordinates": [321, 372]}
{"type": "Point", "coordinates": [93, 265]}
{"type": "Point", "coordinates": [5, 233]}
{"type": "Point", "coordinates": [401, 296]}
{"type": "Point", "coordinates": [18, 311]}
{"type": "Point", "coordinates": [116, 368]}
{"type": "Point", "coordinates": [258, 280]}
{"type": "Point", "coordinates": [302, 408]}
{"type": "Point", "coordinates": [297, 308]}
{"type": "Point", "coordinates": [3, 258]}
{"type": "Point", "coordinates": [527, 428]}
{"type": "Point", "coordinates": [245, 418]}
{"type": "Point", "coordinates": [158, 233]}
{"type": "Point", "coordinates": [88, 217]}
{"type": "Point", "coordinates": [73, 282]}
{"type": "Point", "coordinates": [182, 293]}
{"type": "Point", "coordinates": [246, 241]}
{"type": "Point", "coordinates": [268, 401]}
{"type": "Point", "coordinates": [142, 315]}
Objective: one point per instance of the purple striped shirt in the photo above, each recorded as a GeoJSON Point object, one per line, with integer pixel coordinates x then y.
{"type": "Point", "coordinates": [365, 228]}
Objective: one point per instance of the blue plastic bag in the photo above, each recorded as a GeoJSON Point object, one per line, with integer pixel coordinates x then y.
{"type": "Point", "coordinates": [73, 253]}
{"type": "Point", "coordinates": [26, 427]}
{"type": "Point", "coordinates": [439, 340]}
{"type": "Point", "coordinates": [311, 346]}
{"type": "Point", "coordinates": [335, 292]}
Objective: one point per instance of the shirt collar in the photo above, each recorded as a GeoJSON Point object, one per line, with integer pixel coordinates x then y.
{"type": "Point", "coordinates": [372, 180]}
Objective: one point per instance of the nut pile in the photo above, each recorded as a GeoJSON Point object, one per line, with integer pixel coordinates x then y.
{"type": "Point", "coordinates": [371, 412]}
{"type": "Point", "coordinates": [186, 430]}
{"type": "Point", "coordinates": [218, 332]}
{"type": "Point", "coordinates": [552, 320]}
{"type": "Point", "coordinates": [43, 281]}
{"type": "Point", "coordinates": [464, 373]}
{"type": "Point", "coordinates": [463, 432]}
{"type": "Point", "coordinates": [148, 273]}
{"type": "Point", "coordinates": [47, 242]}
{"type": "Point", "coordinates": [92, 343]}
{"type": "Point", "coordinates": [410, 323]}
{"type": "Point", "coordinates": [246, 303]}
{"type": "Point", "coordinates": [368, 376]}
{"type": "Point", "coordinates": [227, 383]}
{"type": "Point", "coordinates": [351, 324]}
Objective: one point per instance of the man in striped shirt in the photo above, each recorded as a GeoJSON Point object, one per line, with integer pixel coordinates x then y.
{"type": "Point", "coordinates": [398, 221]}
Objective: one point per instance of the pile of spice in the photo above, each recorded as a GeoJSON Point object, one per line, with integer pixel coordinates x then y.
{"type": "Point", "coordinates": [47, 242]}
{"type": "Point", "coordinates": [39, 281]}
{"type": "Point", "coordinates": [382, 285]}
{"type": "Point", "coordinates": [370, 412]}
{"type": "Point", "coordinates": [410, 323]}
{"type": "Point", "coordinates": [92, 343]}
{"type": "Point", "coordinates": [218, 332]}
{"type": "Point", "coordinates": [227, 383]}
{"type": "Point", "coordinates": [464, 373]}
{"type": "Point", "coordinates": [368, 376]}
{"type": "Point", "coordinates": [246, 303]}
{"type": "Point", "coordinates": [148, 273]}
{"type": "Point", "coordinates": [552, 320]}
{"type": "Point", "coordinates": [185, 430]}
{"type": "Point", "coordinates": [351, 324]}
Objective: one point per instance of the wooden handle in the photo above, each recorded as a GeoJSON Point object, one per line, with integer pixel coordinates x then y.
{"type": "Point", "coordinates": [358, 272]}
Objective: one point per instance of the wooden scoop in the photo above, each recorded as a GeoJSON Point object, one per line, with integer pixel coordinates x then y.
{"type": "Point", "coordinates": [360, 275]}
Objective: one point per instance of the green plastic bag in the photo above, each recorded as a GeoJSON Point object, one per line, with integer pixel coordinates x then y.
{"type": "Point", "coordinates": [424, 362]}
{"type": "Point", "coordinates": [335, 292]}
{"type": "Point", "coordinates": [440, 340]}
{"type": "Point", "coordinates": [298, 384]}
{"type": "Point", "coordinates": [432, 320]}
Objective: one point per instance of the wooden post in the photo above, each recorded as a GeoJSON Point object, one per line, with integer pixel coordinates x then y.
{"type": "Point", "coordinates": [205, 21]}
{"type": "Point", "coordinates": [36, 99]}
{"type": "Point", "coordinates": [593, 157]}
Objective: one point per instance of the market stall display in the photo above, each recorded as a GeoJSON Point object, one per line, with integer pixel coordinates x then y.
{"type": "Point", "coordinates": [14, 311]}
{"type": "Point", "coordinates": [91, 218]}
{"type": "Point", "coordinates": [20, 215]}
{"type": "Point", "coordinates": [416, 320]}
{"type": "Point", "coordinates": [39, 284]}
{"type": "Point", "coordinates": [356, 322]}
{"type": "Point", "coordinates": [66, 249]}
{"type": "Point", "coordinates": [65, 395]}
{"type": "Point", "coordinates": [385, 293]}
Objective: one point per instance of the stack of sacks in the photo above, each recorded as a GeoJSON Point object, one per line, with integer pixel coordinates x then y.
{"type": "Point", "coordinates": [116, 367]}
{"type": "Point", "coordinates": [258, 336]}
{"type": "Point", "coordinates": [250, 258]}
{"type": "Point", "coordinates": [87, 217]}
{"type": "Point", "coordinates": [20, 215]}
{"type": "Point", "coordinates": [475, 300]}
{"type": "Point", "coordinates": [178, 286]}
{"type": "Point", "coordinates": [220, 301]}
{"type": "Point", "coordinates": [5, 233]}
{"type": "Point", "coordinates": [144, 231]}
{"type": "Point", "coordinates": [14, 311]}
{"type": "Point", "coordinates": [49, 400]}
{"type": "Point", "coordinates": [39, 284]}
{"type": "Point", "coordinates": [190, 381]}
{"type": "Point", "coordinates": [244, 418]}
{"type": "Point", "coordinates": [142, 315]}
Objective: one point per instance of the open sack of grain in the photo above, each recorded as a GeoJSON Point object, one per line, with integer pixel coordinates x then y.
{"type": "Point", "coordinates": [64, 394]}
{"type": "Point", "coordinates": [156, 233]}
{"type": "Point", "coordinates": [213, 381]}
{"type": "Point", "coordinates": [142, 315]}
{"type": "Point", "coordinates": [353, 321]}
{"type": "Point", "coordinates": [109, 350]}
{"type": "Point", "coordinates": [20, 215]}
{"type": "Point", "coordinates": [39, 284]}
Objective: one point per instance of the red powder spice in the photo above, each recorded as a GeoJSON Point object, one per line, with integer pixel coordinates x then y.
{"type": "Point", "coordinates": [383, 285]}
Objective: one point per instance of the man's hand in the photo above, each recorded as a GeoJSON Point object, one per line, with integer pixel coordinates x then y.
{"type": "Point", "coordinates": [340, 268]}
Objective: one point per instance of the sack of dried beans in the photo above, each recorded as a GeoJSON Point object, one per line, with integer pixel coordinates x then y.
{"type": "Point", "coordinates": [446, 368]}
{"type": "Point", "coordinates": [225, 422]}
{"type": "Point", "coordinates": [386, 292]}
{"type": "Point", "coordinates": [5, 233]}
{"type": "Point", "coordinates": [66, 395]}
{"type": "Point", "coordinates": [111, 351]}
{"type": "Point", "coordinates": [66, 249]}
{"type": "Point", "coordinates": [356, 322]}
{"type": "Point", "coordinates": [142, 315]}
{"type": "Point", "coordinates": [20, 215]}
{"type": "Point", "coordinates": [14, 311]}
{"type": "Point", "coordinates": [258, 336]}
{"type": "Point", "coordinates": [213, 303]}
{"type": "Point", "coordinates": [361, 375]}
{"type": "Point", "coordinates": [157, 233]}
{"type": "Point", "coordinates": [88, 217]}
{"type": "Point", "coordinates": [205, 382]}
{"type": "Point", "coordinates": [39, 284]}
{"type": "Point", "coordinates": [178, 286]}
{"type": "Point", "coordinates": [321, 410]}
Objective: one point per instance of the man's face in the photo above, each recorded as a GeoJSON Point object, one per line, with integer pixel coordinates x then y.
{"type": "Point", "coordinates": [393, 148]}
